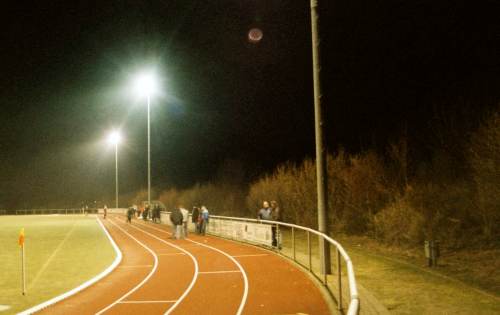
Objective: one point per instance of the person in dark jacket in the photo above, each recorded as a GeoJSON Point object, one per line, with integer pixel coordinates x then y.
{"type": "Point", "coordinates": [156, 213]}
{"type": "Point", "coordinates": [145, 214]}
{"type": "Point", "coordinates": [194, 219]}
{"type": "Point", "coordinates": [276, 216]}
{"type": "Point", "coordinates": [176, 219]}
{"type": "Point", "coordinates": [130, 213]}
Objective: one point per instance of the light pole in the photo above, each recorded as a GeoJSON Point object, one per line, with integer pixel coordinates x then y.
{"type": "Point", "coordinates": [145, 86]}
{"type": "Point", "coordinates": [114, 138]}
{"type": "Point", "coordinates": [149, 152]}
{"type": "Point", "coordinates": [321, 176]}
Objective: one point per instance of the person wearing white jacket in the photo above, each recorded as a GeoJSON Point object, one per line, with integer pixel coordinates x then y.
{"type": "Point", "coordinates": [185, 215]}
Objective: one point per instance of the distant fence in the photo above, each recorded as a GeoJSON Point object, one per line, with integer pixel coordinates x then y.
{"type": "Point", "coordinates": [59, 211]}
{"type": "Point", "coordinates": [46, 211]}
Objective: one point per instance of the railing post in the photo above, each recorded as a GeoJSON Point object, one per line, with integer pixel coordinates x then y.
{"type": "Point", "coordinates": [339, 279]}
{"type": "Point", "coordinates": [278, 238]}
{"type": "Point", "coordinates": [354, 301]}
{"type": "Point", "coordinates": [309, 249]}
{"type": "Point", "coordinates": [325, 275]}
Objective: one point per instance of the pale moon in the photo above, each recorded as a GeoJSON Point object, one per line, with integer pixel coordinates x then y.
{"type": "Point", "coordinates": [255, 35]}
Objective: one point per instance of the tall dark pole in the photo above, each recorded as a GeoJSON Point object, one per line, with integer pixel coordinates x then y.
{"type": "Point", "coordinates": [116, 174]}
{"type": "Point", "coordinates": [321, 176]}
{"type": "Point", "coordinates": [149, 154]}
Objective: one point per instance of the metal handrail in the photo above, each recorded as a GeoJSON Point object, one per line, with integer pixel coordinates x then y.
{"type": "Point", "coordinates": [353, 289]}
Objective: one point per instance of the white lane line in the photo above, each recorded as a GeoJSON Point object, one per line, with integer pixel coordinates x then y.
{"type": "Point", "coordinates": [243, 273]}
{"type": "Point", "coordinates": [51, 257]}
{"type": "Point", "coordinates": [140, 283]}
{"type": "Point", "coordinates": [4, 307]}
{"type": "Point", "coordinates": [135, 266]}
{"type": "Point", "coordinates": [86, 284]}
{"type": "Point", "coordinates": [221, 271]}
{"type": "Point", "coordinates": [195, 262]}
{"type": "Point", "coordinates": [245, 278]}
{"type": "Point", "coordinates": [250, 255]}
{"type": "Point", "coordinates": [146, 302]}
{"type": "Point", "coordinates": [171, 254]}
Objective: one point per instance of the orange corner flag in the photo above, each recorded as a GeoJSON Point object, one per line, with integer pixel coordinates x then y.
{"type": "Point", "coordinates": [21, 238]}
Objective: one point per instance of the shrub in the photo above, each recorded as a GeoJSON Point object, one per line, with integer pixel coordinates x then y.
{"type": "Point", "coordinates": [219, 199]}
{"type": "Point", "coordinates": [293, 187]}
{"type": "Point", "coordinates": [484, 160]}
{"type": "Point", "coordinates": [398, 223]}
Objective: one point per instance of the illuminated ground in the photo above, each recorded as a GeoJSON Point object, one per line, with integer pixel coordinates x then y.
{"type": "Point", "coordinates": [61, 253]}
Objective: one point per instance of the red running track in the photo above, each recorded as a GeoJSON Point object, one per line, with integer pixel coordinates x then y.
{"type": "Point", "coordinates": [199, 275]}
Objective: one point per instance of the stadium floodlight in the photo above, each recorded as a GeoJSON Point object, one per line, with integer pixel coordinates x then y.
{"type": "Point", "coordinates": [146, 85]}
{"type": "Point", "coordinates": [115, 138]}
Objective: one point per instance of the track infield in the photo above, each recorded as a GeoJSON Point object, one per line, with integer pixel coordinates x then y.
{"type": "Point", "coordinates": [61, 253]}
{"type": "Point", "coordinates": [199, 275]}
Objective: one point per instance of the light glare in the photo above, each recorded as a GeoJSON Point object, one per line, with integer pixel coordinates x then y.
{"type": "Point", "coordinates": [145, 84]}
{"type": "Point", "coordinates": [114, 138]}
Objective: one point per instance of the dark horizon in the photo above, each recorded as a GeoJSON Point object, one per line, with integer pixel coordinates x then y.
{"type": "Point", "coordinates": [387, 70]}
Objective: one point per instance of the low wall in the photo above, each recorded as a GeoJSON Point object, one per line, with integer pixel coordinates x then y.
{"type": "Point", "coordinates": [256, 233]}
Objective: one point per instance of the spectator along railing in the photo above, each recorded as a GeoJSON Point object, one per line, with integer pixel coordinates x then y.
{"type": "Point", "coordinates": [292, 244]}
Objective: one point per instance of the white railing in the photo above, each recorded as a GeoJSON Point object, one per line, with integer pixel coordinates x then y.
{"type": "Point", "coordinates": [354, 302]}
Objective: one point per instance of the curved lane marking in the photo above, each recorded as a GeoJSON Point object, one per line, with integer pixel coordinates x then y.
{"type": "Point", "coordinates": [250, 255]}
{"type": "Point", "coordinates": [196, 270]}
{"type": "Point", "coordinates": [245, 278]}
{"type": "Point", "coordinates": [155, 266]}
{"type": "Point", "coordinates": [84, 285]}
{"type": "Point", "coordinates": [147, 302]}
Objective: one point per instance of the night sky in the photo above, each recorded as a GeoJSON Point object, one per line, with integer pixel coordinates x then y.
{"type": "Point", "coordinates": [67, 65]}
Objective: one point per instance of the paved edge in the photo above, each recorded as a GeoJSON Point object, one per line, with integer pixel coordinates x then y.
{"type": "Point", "coordinates": [371, 303]}
{"type": "Point", "coordinates": [84, 285]}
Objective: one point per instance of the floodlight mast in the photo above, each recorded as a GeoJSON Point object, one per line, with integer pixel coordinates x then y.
{"type": "Point", "coordinates": [321, 175]}
{"type": "Point", "coordinates": [146, 86]}
{"type": "Point", "coordinates": [114, 139]}
{"type": "Point", "coordinates": [149, 152]}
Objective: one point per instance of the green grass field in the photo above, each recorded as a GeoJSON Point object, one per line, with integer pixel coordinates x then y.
{"type": "Point", "coordinates": [409, 287]}
{"type": "Point", "coordinates": [404, 287]}
{"type": "Point", "coordinates": [61, 253]}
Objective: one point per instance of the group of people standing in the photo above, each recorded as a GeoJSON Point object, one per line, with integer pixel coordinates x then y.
{"type": "Point", "coordinates": [146, 213]}
{"type": "Point", "coordinates": [180, 216]}
{"type": "Point", "coordinates": [271, 212]}
{"type": "Point", "coordinates": [153, 214]}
